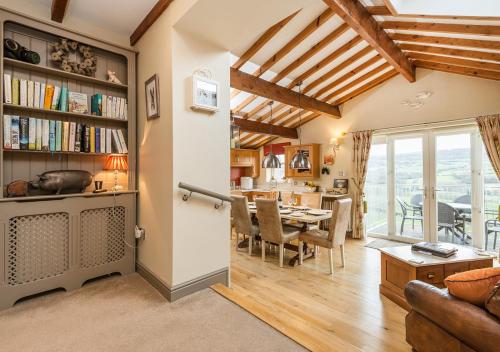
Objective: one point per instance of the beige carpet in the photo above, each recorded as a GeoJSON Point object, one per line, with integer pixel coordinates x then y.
{"type": "Point", "coordinates": [127, 314]}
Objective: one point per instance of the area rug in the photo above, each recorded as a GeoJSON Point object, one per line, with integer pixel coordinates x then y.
{"type": "Point", "coordinates": [383, 243]}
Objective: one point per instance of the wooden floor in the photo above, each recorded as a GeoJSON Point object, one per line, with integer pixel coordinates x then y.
{"type": "Point", "coordinates": [343, 313]}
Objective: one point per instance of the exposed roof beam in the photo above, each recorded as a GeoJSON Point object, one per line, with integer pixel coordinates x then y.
{"type": "Point", "coordinates": [254, 85]}
{"type": "Point", "coordinates": [385, 11]}
{"type": "Point", "coordinates": [456, 61]}
{"type": "Point", "coordinates": [441, 27]}
{"type": "Point", "coordinates": [474, 72]}
{"type": "Point", "coordinates": [58, 10]}
{"type": "Point", "coordinates": [474, 54]}
{"type": "Point", "coordinates": [356, 15]}
{"type": "Point", "coordinates": [263, 39]}
{"type": "Point", "coordinates": [265, 128]}
{"type": "Point", "coordinates": [148, 21]}
{"type": "Point", "coordinates": [473, 43]}
{"type": "Point", "coordinates": [379, 10]}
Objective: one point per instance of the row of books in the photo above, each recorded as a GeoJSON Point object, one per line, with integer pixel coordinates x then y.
{"type": "Point", "coordinates": [50, 97]}
{"type": "Point", "coordinates": [29, 133]}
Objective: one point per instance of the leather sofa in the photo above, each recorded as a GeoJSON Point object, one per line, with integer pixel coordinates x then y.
{"type": "Point", "coordinates": [439, 322]}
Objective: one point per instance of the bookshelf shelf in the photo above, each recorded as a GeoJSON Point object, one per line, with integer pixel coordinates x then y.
{"type": "Point", "coordinates": [61, 73]}
{"type": "Point", "coordinates": [62, 153]}
{"type": "Point", "coordinates": [64, 196]}
{"type": "Point", "coordinates": [63, 113]}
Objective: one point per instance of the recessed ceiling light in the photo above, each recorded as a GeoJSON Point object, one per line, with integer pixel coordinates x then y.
{"type": "Point", "coordinates": [416, 104]}
{"type": "Point", "coordinates": [423, 94]}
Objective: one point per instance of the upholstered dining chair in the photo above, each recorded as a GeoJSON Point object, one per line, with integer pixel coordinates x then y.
{"type": "Point", "coordinates": [271, 228]}
{"type": "Point", "coordinates": [242, 221]}
{"type": "Point", "coordinates": [335, 236]}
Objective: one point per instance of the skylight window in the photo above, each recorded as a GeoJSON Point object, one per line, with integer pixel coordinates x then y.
{"type": "Point", "coordinates": [477, 8]}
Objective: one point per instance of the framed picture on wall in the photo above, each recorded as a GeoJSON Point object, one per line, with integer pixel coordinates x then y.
{"type": "Point", "coordinates": [152, 97]}
{"type": "Point", "coordinates": [205, 94]}
{"type": "Point", "coordinates": [341, 185]}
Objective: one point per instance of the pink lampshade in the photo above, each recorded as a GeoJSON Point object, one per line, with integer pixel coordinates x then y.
{"type": "Point", "coordinates": [116, 162]}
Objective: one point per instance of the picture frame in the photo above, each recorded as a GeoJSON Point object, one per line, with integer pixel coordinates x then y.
{"type": "Point", "coordinates": [205, 94]}
{"type": "Point", "coordinates": [152, 91]}
{"type": "Point", "coordinates": [341, 185]}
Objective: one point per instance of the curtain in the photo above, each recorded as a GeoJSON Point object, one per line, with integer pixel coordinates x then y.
{"type": "Point", "coordinates": [489, 127]}
{"type": "Point", "coordinates": [361, 151]}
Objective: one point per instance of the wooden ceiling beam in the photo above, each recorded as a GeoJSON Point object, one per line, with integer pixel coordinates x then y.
{"type": "Point", "coordinates": [263, 39]}
{"type": "Point", "coordinates": [379, 10]}
{"type": "Point", "coordinates": [385, 11]}
{"type": "Point", "coordinates": [148, 21]}
{"type": "Point", "coordinates": [356, 15]}
{"type": "Point", "coordinates": [265, 128]}
{"type": "Point", "coordinates": [467, 71]}
{"type": "Point", "coordinates": [474, 54]}
{"type": "Point", "coordinates": [473, 43]}
{"type": "Point", "coordinates": [489, 66]}
{"type": "Point", "coordinates": [58, 10]}
{"type": "Point", "coordinates": [257, 86]}
{"type": "Point", "coordinates": [442, 27]}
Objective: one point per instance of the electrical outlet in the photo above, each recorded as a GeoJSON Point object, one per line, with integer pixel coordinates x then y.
{"type": "Point", "coordinates": [341, 173]}
{"type": "Point", "coordinates": [140, 233]}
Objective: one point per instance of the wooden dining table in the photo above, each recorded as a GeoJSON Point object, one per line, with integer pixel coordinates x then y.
{"type": "Point", "coordinates": [307, 219]}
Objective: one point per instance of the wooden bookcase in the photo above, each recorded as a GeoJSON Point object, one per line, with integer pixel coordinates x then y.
{"type": "Point", "coordinates": [93, 233]}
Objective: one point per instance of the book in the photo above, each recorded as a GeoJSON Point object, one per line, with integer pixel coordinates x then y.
{"type": "Point", "coordinates": [96, 104]}
{"type": "Point", "coordinates": [42, 96]}
{"type": "Point", "coordinates": [122, 108]}
{"type": "Point", "coordinates": [86, 138]}
{"type": "Point", "coordinates": [55, 98]}
{"type": "Point", "coordinates": [15, 141]}
{"type": "Point", "coordinates": [78, 137]}
{"type": "Point", "coordinates": [109, 149]}
{"type": "Point", "coordinates": [23, 92]}
{"type": "Point", "coordinates": [92, 139]}
{"type": "Point", "coordinates": [102, 143]}
{"type": "Point", "coordinates": [7, 88]}
{"type": "Point", "coordinates": [113, 107]}
{"type": "Point", "coordinates": [116, 142]}
{"type": "Point", "coordinates": [31, 93]}
{"type": "Point", "coordinates": [63, 100]}
{"type": "Point", "coordinates": [15, 91]}
{"type": "Point", "coordinates": [38, 139]}
{"type": "Point", "coordinates": [438, 249]}
{"type": "Point", "coordinates": [49, 93]}
{"type": "Point", "coordinates": [7, 128]}
{"type": "Point", "coordinates": [98, 140]}
{"type": "Point", "coordinates": [58, 136]}
{"type": "Point", "coordinates": [104, 105]}
{"type": "Point", "coordinates": [65, 136]}
{"type": "Point", "coordinates": [31, 133]}
{"type": "Point", "coordinates": [78, 102]}
{"type": "Point", "coordinates": [52, 135]}
{"type": "Point", "coordinates": [46, 131]}
{"type": "Point", "coordinates": [72, 131]}
{"type": "Point", "coordinates": [123, 144]}
{"type": "Point", "coordinates": [36, 97]}
{"type": "Point", "coordinates": [108, 106]}
{"type": "Point", "coordinates": [125, 112]}
{"type": "Point", "coordinates": [23, 132]}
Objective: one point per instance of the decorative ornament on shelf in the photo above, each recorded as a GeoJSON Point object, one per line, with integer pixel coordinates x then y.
{"type": "Point", "coordinates": [112, 77]}
{"type": "Point", "coordinates": [61, 53]}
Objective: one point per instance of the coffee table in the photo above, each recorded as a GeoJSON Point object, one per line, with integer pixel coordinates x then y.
{"type": "Point", "coordinates": [398, 268]}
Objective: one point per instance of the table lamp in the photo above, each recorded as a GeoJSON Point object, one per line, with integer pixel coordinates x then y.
{"type": "Point", "coordinates": [116, 162]}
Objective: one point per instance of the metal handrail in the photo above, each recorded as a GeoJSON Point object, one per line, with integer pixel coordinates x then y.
{"type": "Point", "coordinates": [194, 189]}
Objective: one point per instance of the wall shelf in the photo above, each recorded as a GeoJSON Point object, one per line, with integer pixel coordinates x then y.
{"type": "Point", "coordinates": [63, 196]}
{"type": "Point", "coordinates": [51, 152]}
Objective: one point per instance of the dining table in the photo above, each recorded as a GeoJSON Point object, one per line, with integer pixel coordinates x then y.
{"type": "Point", "coordinates": [302, 217]}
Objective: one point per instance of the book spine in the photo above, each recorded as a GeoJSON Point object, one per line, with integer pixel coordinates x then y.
{"type": "Point", "coordinates": [92, 139]}
{"type": "Point", "coordinates": [42, 95]}
{"type": "Point", "coordinates": [31, 133]}
{"type": "Point", "coordinates": [58, 136]}
{"type": "Point", "coordinates": [39, 131]}
{"type": "Point", "coordinates": [113, 107]}
{"type": "Point", "coordinates": [65, 136]}
{"type": "Point", "coordinates": [97, 140]}
{"type": "Point", "coordinates": [46, 136]}
{"type": "Point", "coordinates": [104, 105]}
{"type": "Point", "coordinates": [23, 132]}
{"type": "Point", "coordinates": [116, 142]}
{"type": "Point", "coordinates": [15, 91]}
{"type": "Point", "coordinates": [55, 98]}
{"type": "Point", "coordinates": [103, 140]}
{"type": "Point", "coordinates": [7, 88]}
{"type": "Point", "coordinates": [93, 105]}
{"type": "Point", "coordinates": [15, 132]}
{"type": "Point", "coordinates": [78, 137]}
{"type": "Point", "coordinates": [7, 128]}
{"type": "Point", "coordinates": [36, 97]}
{"type": "Point", "coordinates": [109, 148]}
{"type": "Point", "coordinates": [122, 141]}
{"type": "Point", "coordinates": [63, 101]}
{"type": "Point", "coordinates": [122, 108]}
{"type": "Point", "coordinates": [49, 93]}
{"type": "Point", "coordinates": [125, 117]}
{"type": "Point", "coordinates": [31, 93]}
{"type": "Point", "coordinates": [72, 131]}
{"type": "Point", "coordinates": [108, 108]}
{"type": "Point", "coordinates": [23, 92]}
{"type": "Point", "coordinates": [52, 135]}
{"type": "Point", "coordinates": [86, 139]}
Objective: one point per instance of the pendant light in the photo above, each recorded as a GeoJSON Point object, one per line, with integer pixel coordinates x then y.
{"type": "Point", "coordinates": [271, 161]}
{"type": "Point", "coordinates": [300, 160]}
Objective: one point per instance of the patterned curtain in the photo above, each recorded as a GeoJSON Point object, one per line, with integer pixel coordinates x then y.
{"type": "Point", "coordinates": [489, 127]}
{"type": "Point", "coordinates": [362, 144]}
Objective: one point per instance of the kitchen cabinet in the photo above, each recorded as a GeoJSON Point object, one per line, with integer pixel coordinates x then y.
{"type": "Point", "coordinates": [248, 159]}
{"type": "Point", "coordinates": [312, 150]}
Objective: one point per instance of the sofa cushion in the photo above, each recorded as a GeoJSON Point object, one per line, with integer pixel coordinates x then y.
{"type": "Point", "coordinates": [492, 303]}
{"type": "Point", "coordinates": [473, 286]}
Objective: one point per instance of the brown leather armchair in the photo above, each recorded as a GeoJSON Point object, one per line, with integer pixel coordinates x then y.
{"type": "Point", "coordinates": [439, 322]}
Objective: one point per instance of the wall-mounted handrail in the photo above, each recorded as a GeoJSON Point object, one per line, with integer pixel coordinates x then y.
{"type": "Point", "coordinates": [194, 189]}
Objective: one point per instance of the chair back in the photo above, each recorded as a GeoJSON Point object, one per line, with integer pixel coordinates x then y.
{"type": "Point", "coordinates": [327, 202]}
{"type": "Point", "coordinates": [269, 217]}
{"type": "Point", "coordinates": [286, 197]}
{"type": "Point", "coordinates": [340, 221]}
{"type": "Point", "coordinates": [417, 199]}
{"type": "Point", "coordinates": [446, 214]}
{"type": "Point", "coordinates": [402, 205]}
{"type": "Point", "coordinates": [311, 199]}
{"type": "Point", "coordinates": [241, 215]}
{"type": "Point", "coordinates": [464, 199]}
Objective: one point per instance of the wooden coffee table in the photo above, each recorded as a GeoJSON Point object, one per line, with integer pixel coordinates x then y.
{"type": "Point", "coordinates": [397, 270]}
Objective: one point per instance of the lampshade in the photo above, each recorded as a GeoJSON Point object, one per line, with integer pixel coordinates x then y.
{"type": "Point", "coordinates": [300, 161]}
{"type": "Point", "coordinates": [116, 162]}
{"type": "Point", "coordinates": [271, 161]}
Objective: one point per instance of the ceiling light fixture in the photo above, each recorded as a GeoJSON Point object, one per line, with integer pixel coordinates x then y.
{"type": "Point", "coordinates": [300, 160]}
{"type": "Point", "coordinates": [271, 161]}
{"type": "Point", "coordinates": [423, 95]}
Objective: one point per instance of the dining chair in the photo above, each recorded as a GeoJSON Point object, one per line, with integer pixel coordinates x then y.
{"type": "Point", "coordinates": [465, 199]}
{"type": "Point", "coordinates": [242, 221]}
{"type": "Point", "coordinates": [449, 220]}
{"type": "Point", "coordinates": [311, 199]}
{"type": "Point", "coordinates": [271, 228]}
{"type": "Point", "coordinates": [327, 202]}
{"type": "Point", "coordinates": [405, 209]}
{"type": "Point", "coordinates": [335, 236]}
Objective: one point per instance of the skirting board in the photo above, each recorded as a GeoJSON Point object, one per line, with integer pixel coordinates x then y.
{"type": "Point", "coordinates": [174, 293]}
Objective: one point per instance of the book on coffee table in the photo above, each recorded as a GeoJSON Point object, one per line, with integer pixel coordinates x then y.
{"type": "Point", "coordinates": [443, 250]}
